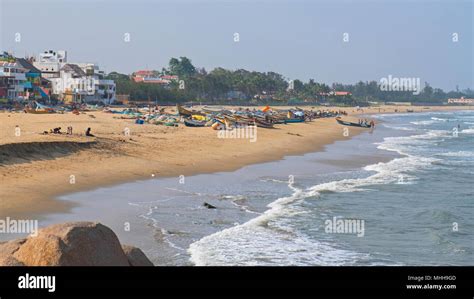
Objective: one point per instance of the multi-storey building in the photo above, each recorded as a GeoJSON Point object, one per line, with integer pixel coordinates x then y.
{"type": "Point", "coordinates": [76, 82]}
{"type": "Point", "coordinates": [13, 78]}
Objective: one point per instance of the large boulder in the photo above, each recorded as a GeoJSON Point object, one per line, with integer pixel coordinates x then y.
{"type": "Point", "coordinates": [135, 256]}
{"type": "Point", "coordinates": [71, 244]}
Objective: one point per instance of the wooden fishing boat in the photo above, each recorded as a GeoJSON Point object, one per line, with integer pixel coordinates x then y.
{"type": "Point", "coordinates": [278, 118]}
{"type": "Point", "coordinates": [37, 108]}
{"type": "Point", "coordinates": [293, 120]}
{"type": "Point", "coordinates": [215, 110]}
{"type": "Point", "coordinates": [185, 112]}
{"type": "Point", "coordinates": [351, 124]}
{"type": "Point", "coordinates": [39, 111]}
{"type": "Point", "coordinates": [243, 119]}
{"type": "Point", "coordinates": [263, 124]}
{"type": "Point", "coordinates": [194, 123]}
{"type": "Point", "coordinates": [238, 121]}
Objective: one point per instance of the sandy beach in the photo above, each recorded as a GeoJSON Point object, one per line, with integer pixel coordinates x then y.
{"type": "Point", "coordinates": [35, 168]}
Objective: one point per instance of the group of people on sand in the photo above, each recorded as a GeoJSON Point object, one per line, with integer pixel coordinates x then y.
{"type": "Point", "coordinates": [58, 131]}
{"type": "Point", "coordinates": [365, 122]}
{"type": "Point", "coordinates": [69, 131]}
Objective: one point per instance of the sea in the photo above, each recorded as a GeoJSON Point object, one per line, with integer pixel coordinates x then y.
{"type": "Point", "coordinates": [401, 194]}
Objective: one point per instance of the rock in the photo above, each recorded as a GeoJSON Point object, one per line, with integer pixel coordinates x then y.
{"type": "Point", "coordinates": [71, 244]}
{"type": "Point", "coordinates": [136, 257]}
{"type": "Point", "coordinates": [209, 206]}
{"type": "Point", "coordinates": [10, 261]}
{"type": "Point", "coordinates": [10, 247]}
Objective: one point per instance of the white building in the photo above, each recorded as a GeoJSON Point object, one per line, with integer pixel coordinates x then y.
{"type": "Point", "coordinates": [50, 63]}
{"type": "Point", "coordinates": [82, 81]}
{"type": "Point", "coordinates": [74, 82]}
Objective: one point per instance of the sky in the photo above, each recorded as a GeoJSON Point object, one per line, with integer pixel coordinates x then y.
{"type": "Point", "coordinates": [330, 41]}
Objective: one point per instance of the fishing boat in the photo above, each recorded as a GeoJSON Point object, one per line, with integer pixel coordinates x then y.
{"type": "Point", "coordinates": [39, 109]}
{"type": "Point", "coordinates": [185, 112]}
{"type": "Point", "coordinates": [263, 124]}
{"type": "Point", "coordinates": [351, 124]}
{"type": "Point", "coordinates": [215, 110]}
{"type": "Point", "coordinates": [194, 123]}
{"type": "Point", "coordinates": [293, 120]}
{"type": "Point", "coordinates": [279, 118]}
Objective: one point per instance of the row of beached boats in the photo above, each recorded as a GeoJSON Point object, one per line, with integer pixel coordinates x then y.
{"type": "Point", "coordinates": [38, 108]}
{"type": "Point", "coordinates": [222, 118]}
{"type": "Point", "coordinates": [216, 117]}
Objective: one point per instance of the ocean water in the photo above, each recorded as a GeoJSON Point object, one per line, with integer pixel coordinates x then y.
{"type": "Point", "coordinates": [410, 181]}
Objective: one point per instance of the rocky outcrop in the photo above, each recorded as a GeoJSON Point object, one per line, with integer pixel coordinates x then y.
{"type": "Point", "coordinates": [71, 244]}
{"type": "Point", "coordinates": [135, 256]}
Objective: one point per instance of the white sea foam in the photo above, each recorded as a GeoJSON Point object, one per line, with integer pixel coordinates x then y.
{"type": "Point", "coordinates": [235, 201]}
{"type": "Point", "coordinates": [468, 131]}
{"type": "Point", "coordinates": [440, 119]}
{"type": "Point", "coordinates": [405, 144]}
{"type": "Point", "coordinates": [423, 122]}
{"type": "Point", "coordinates": [398, 127]}
{"type": "Point", "coordinates": [458, 154]}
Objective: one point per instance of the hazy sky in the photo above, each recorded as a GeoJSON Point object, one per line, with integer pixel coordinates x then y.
{"type": "Point", "coordinates": [299, 39]}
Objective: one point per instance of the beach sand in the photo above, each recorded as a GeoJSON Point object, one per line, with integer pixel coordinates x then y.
{"type": "Point", "coordinates": [35, 168]}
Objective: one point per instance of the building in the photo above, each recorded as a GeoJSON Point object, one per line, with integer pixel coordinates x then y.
{"type": "Point", "coordinates": [13, 78]}
{"type": "Point", "coordinates": [75, 82]}
{"type": "Point", "coordinates": [123, 98]}
{"type": "Point", "coordinates": [151, 77]}
{"type": "Point", "coordinates": [342, 93]}
{"type": "Point", "coordinates": [50, 63]}
{"type": "Point", "coordinates": [4, 86]}
{"type": "Point", "coordinates": [35, 87]}
{"type": "Point", "coordinates": [461, 101]}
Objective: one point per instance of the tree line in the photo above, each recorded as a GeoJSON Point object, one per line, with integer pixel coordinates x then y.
{"type": "Point", "coordinates": [222, 86]}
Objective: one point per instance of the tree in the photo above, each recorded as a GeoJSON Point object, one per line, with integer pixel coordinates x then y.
{"type": "Point", "coordinates": [181, 67]}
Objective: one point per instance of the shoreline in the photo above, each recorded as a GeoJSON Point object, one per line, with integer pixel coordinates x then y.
{"type": "Point", "coordinates": [113, 161]}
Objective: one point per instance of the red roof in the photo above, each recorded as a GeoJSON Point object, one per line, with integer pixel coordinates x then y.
{"type": "Point", "coordinates": [143, 73]}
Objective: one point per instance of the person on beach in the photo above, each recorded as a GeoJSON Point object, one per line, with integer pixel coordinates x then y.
{"type": "Point", "coordinates": [69, 130]}
{"type": "Point", "coordinates": [88, 132]}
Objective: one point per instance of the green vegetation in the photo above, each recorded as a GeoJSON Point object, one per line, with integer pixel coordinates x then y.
{"type": "Point", "coordinates": [222, 86]}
